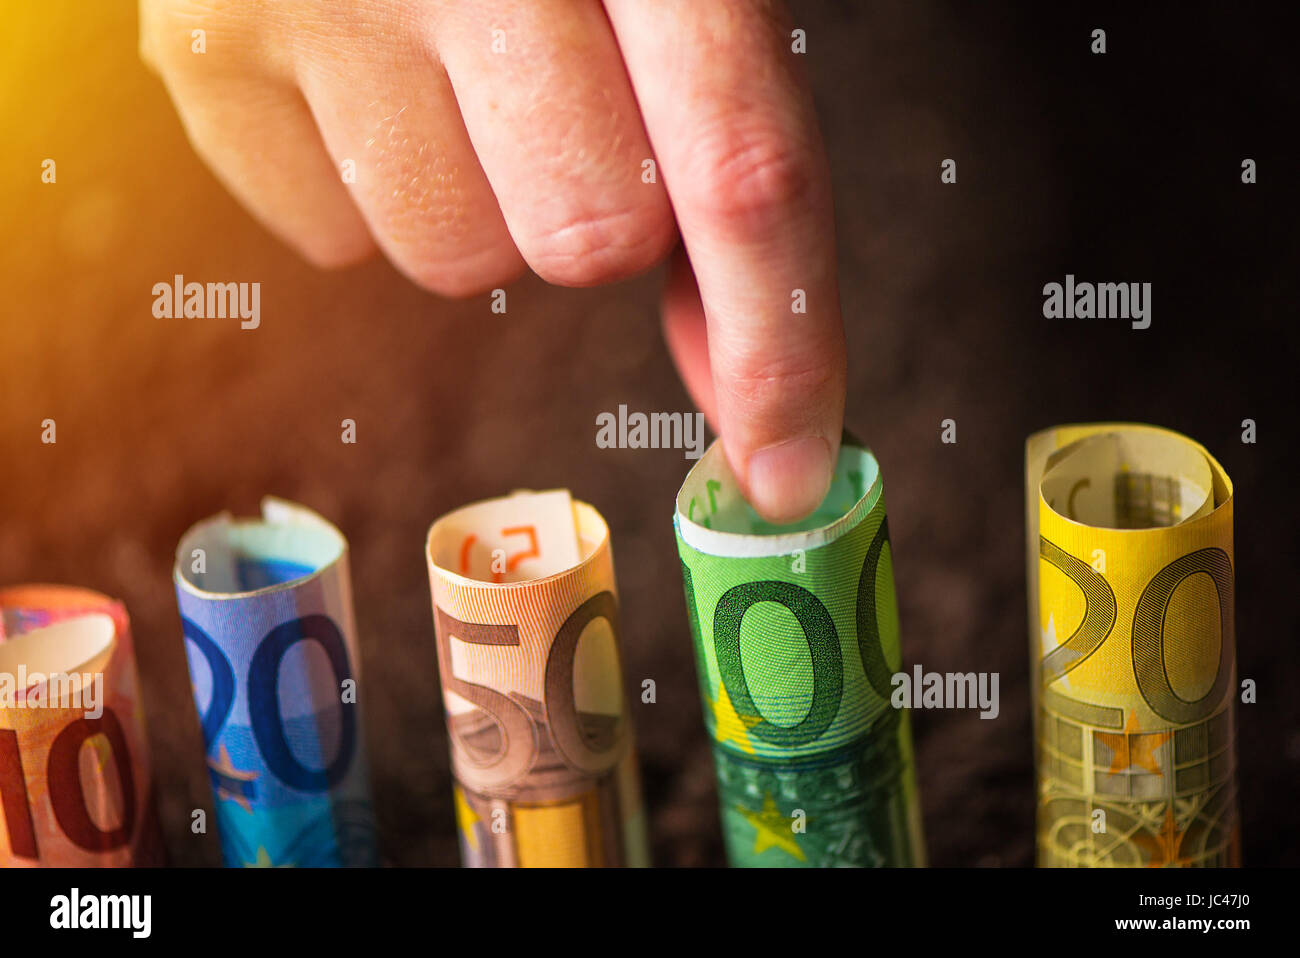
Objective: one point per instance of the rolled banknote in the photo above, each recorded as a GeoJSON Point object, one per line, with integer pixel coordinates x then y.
{"type": "Point", "coordinates": [796, 640]}
{"type": "Point", "coordinates": [266, 607]}
{"type": "Point", "coordinates": [75, 780]}
{"type": "Point", "coordinates": [526, 615]}
{"type": "Point", "coordinates": [1130, 582]}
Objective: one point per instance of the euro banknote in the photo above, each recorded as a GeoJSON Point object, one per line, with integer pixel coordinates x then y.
{"type": "Point", "coordinates": [796, 640]}
{"type": "Point", "coordinates": [1130, 583]}
{"type": "Point", "coordinates": [528, 641]}
{"type": "Point", "coordinates": [266, 610]}
{"type": "Point", "coordinates": [76, 787]}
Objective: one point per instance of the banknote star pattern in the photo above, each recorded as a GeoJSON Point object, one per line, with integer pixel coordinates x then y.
{"type": "Point", "coordinates": [1165, 847]}
{"type": "Point", "coordinates": [1133, 747]}
{"type": "Point", "coordinates": [771, 829]}
{"type": "Point", "coordinates": [846, 763]}
{"type": "Point", "coordinates": [728, 724]}
{"type": "Point", "coordinates": [264, 860]}
{"type": "Point", "coordinates": [231, 783]}
{"type": "Point", "coordinates": [466, 819]}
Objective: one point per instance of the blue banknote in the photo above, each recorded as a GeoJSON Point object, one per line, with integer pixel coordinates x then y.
{"type": "Point", "coordinates": [266, 609]}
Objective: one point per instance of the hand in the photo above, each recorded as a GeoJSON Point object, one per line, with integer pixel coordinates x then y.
{"type": "Point", "coordinates": [490, 134]}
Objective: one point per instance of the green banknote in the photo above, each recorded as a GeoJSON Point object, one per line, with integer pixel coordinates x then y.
{"type": "Point", "coordinates": [796, 640]}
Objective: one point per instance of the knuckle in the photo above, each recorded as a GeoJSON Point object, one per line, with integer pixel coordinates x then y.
{"type": "Point", "coordinates": [760, 383]}
{"type": "Point", "coordinates": [458, 277]}
{"type": "Point", "coordinates": [166, 33]}
{"type": "Point", "coordinates": [168, 30]}
{"type": "Point", "coordinates": [589, 248]}
{"type": "Point", "coordinates": [745, 175]}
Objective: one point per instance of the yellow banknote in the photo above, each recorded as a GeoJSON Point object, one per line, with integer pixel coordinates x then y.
{"type": "Point", "coordinates": [1130, 583]}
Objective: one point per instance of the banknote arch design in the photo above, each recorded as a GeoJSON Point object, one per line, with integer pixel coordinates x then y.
{"type": "Point", "coordinates": [1134, 717]}
{"type": "Point", "coordinates": [56, 809]}
{"type": "Point", "coordinates": [271, 641]}
{"type": "Point", "coordinates": [795, 662]}
{"type": "Point", "coordinates": [528, 642]}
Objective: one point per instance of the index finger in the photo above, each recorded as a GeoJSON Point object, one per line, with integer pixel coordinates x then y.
{"type": "Point", "coordinates": [732, 125]}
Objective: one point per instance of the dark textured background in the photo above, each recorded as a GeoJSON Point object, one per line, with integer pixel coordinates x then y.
{"type": "Point", "coordinates": [1117, 167]}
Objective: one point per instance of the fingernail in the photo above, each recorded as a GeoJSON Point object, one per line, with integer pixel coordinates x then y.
{"type": "Point", "coordinates": [789, 480]}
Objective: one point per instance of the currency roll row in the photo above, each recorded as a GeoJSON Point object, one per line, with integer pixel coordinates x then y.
{"type": "Point", "coordinates": [798, 650]}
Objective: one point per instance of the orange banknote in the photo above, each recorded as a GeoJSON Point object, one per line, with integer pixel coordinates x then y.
{"type": "Point", "coordinates": [75, 781]}
{"type": "Point", "coordinates": [526, 616]}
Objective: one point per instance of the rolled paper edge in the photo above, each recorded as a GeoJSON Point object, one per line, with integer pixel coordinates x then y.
{"type": "Point", "coordinates": [631, 814]}
{"type": "Point", "coordinates": [275, 512]}
{"type": "Point", "coordinates": [148, 847]}
{"type": "Point", "coordinates": [332, 574]}
{"type": "Point", "coordinates": [587, 510]}
{"type": "Point", "coordinates": [86, 602]}
{"type": "Point", "coordinates": [1040, 448]}
{"type": "Point", "coordinates": [97, 661]}
{"type": "Point", "coordinates": [1038, 464]}
{"type": "Point", "coordinates": [49, 595]}
{"type": "Point", "coordinates": [1042, 445]}
{"type": "Point", "coordinates": [752, 545]}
